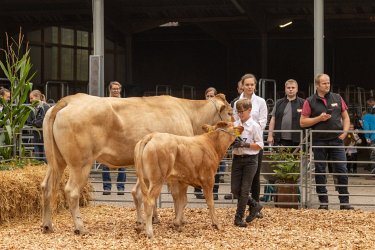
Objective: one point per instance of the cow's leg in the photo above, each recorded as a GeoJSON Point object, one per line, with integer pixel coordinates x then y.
{"type": "Point", "coordinates": [77, 180]}
{"type": "Point", "coordinates": [207, 191]}
{"type": "Point", "coordinates": [52, 178]}
{"type": "Point", "coordinates": [138, 200]}
{"type": "Point", "coordinates": [149, 206]}
{"type": "Point", "coordinates": [178, 191]}
{"type": "Point", "coordinates": [155, 215]}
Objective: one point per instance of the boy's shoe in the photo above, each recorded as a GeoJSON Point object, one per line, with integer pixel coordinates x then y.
{"type": "Point", "coordinates": [253, 212]}
{"type": "Point", "coordinates": [238, 221]}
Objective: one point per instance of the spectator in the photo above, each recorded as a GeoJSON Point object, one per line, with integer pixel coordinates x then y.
{"type": "Point", "coordinates": [371, 105]}
{"type": "Point", "coordinates": [239, 91]}
{"type": "Point", "coordinates": [285, 116]}
{"type": "Point", "coordinates": [35, 119]}
{"type": "Point", "coordinates": [369, 124]}
{"type": "Point", "coordinates": [210, 93]}
{"type": "Point", "coordinates": [5, 95]}
{"type": "Point", "coordinates": [245, 162]}
{"type": "Point", "coordinates": [325, 110]}
{"type": "Point", "coordinates": [351, 151]}
{"type": "Point", "coordinates": [259, 114]}
{"type": "Point", "coordinates": [114, 91]}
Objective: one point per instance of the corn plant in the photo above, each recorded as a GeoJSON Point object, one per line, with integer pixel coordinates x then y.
{"type": "Point", "coordinates": [17, 69]}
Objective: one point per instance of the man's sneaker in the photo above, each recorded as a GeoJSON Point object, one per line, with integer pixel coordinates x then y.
{"type": "Point", "coordinates": [216, 197]}
{"type": "Point", "coordinates": [106, 192]}
{"type": "Point", "coordinates": [253, 211]}
{"type": "Point", "coordinates": [324, 207]}
{"type": "Point", "coordinates": [346, 207]}
{"type": "Point", "coordinates": [120, 192]}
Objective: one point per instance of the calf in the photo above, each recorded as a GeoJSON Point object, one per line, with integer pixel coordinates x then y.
{"type": "Point", "coordinates": [180, 161]}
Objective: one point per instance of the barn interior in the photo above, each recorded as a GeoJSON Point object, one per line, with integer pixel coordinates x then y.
{"type": "Point", "coordinates": [182, 47]}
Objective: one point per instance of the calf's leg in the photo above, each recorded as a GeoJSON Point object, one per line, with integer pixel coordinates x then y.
{"type": "Point", "coordinates": [207, 190]}
{"type": "Point", "coordinates": [178, 191]}
{"type": "Point", "coordinates": [138, 200]}
{"type": "Point", "coordinates": [149, 206]}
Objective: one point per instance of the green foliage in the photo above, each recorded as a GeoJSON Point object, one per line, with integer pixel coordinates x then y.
{"type": "Point", "coordinates": [19, 164]}
{"type": "Point", "coordinates": [286, 164]}
{"type": "Point", "coordinates": [17, 68]}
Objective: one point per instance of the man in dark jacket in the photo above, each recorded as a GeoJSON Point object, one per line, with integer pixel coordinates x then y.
{"type": "Point", "coordinates": [327, 111]}
{"type": "Point", "coordinates": [285, 116]}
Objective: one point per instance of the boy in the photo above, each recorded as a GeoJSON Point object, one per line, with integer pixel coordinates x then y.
{"type": "Point", "coordinates": [245, 161]}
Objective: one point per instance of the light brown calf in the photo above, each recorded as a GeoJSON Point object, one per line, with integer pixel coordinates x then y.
{"type": "Point", "coordinates": [180, 161]}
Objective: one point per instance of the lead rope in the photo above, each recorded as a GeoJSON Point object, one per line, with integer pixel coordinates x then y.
{"type": "Point", "coordinates": [216, 109]}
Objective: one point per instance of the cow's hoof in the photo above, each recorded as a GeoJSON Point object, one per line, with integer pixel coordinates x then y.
{"type": "Point", "coordinates": [80, 231]}
{"type": "Point", "coordinates": [155, 220]}
{"type": "Point", "coordinates": [138, 227]}
{"type": "Point", "coordinates": [178, 228]}
{"type": "Point", "coordinates": [46, 229]}
{"type": "Point", "coordinates": [217, 226]}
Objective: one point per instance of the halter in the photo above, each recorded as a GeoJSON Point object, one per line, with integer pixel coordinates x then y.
{"type": "Point", "coordinates": [221, 129]}
{"type": "Point", "coordinates": [216, 108]}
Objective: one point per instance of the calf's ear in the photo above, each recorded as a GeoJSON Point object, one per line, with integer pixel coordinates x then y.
{"type": "Point", "coordinates": [207, 128]}
{"type": "Point", "coordinates": [238, 130]}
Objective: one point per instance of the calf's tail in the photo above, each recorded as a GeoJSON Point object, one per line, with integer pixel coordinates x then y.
{"type": "Point", "coordinates": [138, 161]}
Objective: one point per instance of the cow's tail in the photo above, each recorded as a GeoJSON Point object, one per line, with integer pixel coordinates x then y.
{"type": "Point", "coordinates": [56, 163]}
{"type": "Point", "coordinates": [138, 161]}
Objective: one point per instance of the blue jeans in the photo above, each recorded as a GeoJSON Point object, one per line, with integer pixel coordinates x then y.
{"type": "Point", "coordinates": [39, 152]}
{"type": "Point", "coordinates": [333, 154]}
{"type": "Point", "coordinates": [372, 157]}
{"type": "Point", "coordinates": [106, 175]}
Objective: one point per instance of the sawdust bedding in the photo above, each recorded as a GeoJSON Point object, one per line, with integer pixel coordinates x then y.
{"type": "Point", "coordinates": [114, 228]}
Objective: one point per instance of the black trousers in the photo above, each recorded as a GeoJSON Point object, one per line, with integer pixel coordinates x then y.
{"type": "Point", "coordinates": [255, 186]}
{"type": "Point", "coordinates": [243, 171]}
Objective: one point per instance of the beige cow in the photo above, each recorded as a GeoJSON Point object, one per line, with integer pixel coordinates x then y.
{"type": "Point", "coordinates": [82, 128]}
{"type": "Point", "coordinates": [180, 161]}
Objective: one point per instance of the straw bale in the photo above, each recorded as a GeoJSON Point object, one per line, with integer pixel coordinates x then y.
{"type": "Point", "coordinates": [113, 228]}
{"type": "Point", "coordinates": [20, 192]}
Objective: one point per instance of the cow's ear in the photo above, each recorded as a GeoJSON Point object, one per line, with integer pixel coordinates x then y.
{"type": "Point", "coordinates": [221, 96]}
{"type": "Point", "coordinates": [222, 124]}
{"type": "Point", "coordinates": [207, 128]}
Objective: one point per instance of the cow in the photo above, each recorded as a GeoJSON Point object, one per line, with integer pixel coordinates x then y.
{"type": "Point", "coordinates": [82, 128]}
{"type": "Point", "coordinates": [179, 161]}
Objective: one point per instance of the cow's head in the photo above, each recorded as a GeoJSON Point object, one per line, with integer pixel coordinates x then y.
{"type": "Point", "coordinates": [225, 111]}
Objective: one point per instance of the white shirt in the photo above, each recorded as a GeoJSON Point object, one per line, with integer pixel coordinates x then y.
{"type": "Point", "coordinates": [259, 111]}
{"type": "Point", "coordinates": [252, 133]}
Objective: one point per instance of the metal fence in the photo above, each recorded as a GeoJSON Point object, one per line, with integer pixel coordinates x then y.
{"type": "Point", "coordinates": [301, 194]}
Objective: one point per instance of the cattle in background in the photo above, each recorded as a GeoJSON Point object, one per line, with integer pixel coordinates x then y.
{"type": "Point", "coordinates": [82, 128]}
{"type": "Point", "coordinates": [180, 161]}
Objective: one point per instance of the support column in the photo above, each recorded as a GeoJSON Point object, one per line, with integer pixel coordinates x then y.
{"type": "Point", "coordinates": [318, 37]}
{"type": "Point", "coordinates": [96, 78]}
{"type": "Point", "coordinates": [129, 59]}
{"type": "Point", "coordinates": [264, 55]}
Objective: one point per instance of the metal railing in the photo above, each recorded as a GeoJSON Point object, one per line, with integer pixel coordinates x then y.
{"type": "Point", "coordinates": [361, 185]}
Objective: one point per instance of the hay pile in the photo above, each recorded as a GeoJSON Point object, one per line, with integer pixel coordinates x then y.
{"type": "Point", "coordinates": [113, 228]}
{"type": "Point", "coordinates": [20, 192]}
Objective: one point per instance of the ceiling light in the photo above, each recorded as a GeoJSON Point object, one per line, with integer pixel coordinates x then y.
{"type": "Point", "coordinates": [285, 24]}
{"type": "Point", "coordinates": [169, 24]}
